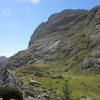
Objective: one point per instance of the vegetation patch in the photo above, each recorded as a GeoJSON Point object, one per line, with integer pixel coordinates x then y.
{"type": "Point", "coordinates": [10, 93]}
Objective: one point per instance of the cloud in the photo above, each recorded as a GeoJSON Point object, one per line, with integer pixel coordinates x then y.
{"type": "Point", "coordinates": [35, 1]}
{"type": "Point", "coordinates": [32, 1]}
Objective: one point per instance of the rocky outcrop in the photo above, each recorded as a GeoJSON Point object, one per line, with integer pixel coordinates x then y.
{"type": "Point", "coordinates": [71, 34]}
{"type": "Point", "coordinates": [86, 98]}
{"type": "Point", "coordinates": [10, 79]}
{"type": "Point", "coordinates": [19, 59]}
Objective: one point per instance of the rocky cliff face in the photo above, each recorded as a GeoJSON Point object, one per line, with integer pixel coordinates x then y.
{"type": "Point", "coordinates": [73, 35]}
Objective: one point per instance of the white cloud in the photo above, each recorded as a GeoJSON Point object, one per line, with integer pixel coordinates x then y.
{"type": "Point", "coordinates": [35, 1]}
{"type": "Point", "coordinates": [32, 1]}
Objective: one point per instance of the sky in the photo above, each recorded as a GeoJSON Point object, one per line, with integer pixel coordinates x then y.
{"type": "Point", "coordinates": [20, 18]}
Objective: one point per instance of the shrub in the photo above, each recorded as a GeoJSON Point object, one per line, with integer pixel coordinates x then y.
{"type": "Point", "coordinates": [66, 92]}
{"type": "Point", "coordinates": [10, 93]}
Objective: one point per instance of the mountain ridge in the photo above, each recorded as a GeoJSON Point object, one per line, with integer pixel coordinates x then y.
{"type": "Point", "coordinates": [58, 35]}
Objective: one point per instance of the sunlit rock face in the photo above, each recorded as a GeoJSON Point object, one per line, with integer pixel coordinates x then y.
{"type": "Point", "coordinates": [71, 34]}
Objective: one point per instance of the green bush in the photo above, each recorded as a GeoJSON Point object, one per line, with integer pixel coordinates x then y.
{"type": "Point", "coordinates": [66, 92]}
{"type": "Point", "coordinates": [10, 93]}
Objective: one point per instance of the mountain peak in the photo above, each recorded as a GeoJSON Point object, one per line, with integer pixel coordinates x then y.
{"type": "Point", "coordinates": [55, 20]}
{"type": "Point", "coordinates": [94, 15]}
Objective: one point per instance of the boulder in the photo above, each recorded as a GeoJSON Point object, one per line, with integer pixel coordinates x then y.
{"type": "Point", "coordinates": [86, 98]}
{"type": "Point", "coordinates": [43, 96]}
{"type": "Point", "coordinates": [60, 77]}
{"type": "Point", "coordinates": [87, 63]}
{"type": "Point", "coordinates": [34, 83]}
{"type": "Point", "coordinates": [48, 73]}
{"type": "Point", "coordinates": [96, 54]}
{"type": "Point", "coordinates": [38, 74]}
{"type": "Point", "coordinates": [57, 77]}
{"type": "Point", "coordinates": [66, 69]}
{"type": "Point", "coordinates": [54, 77]}
{"type": "Point", "coordinates": [30, 98]}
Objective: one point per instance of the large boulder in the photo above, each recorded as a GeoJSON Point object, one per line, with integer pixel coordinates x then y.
{"type": "Point", "coordinates": [10, 79]}
{"type": "Point", "coordinates": [38, 74]}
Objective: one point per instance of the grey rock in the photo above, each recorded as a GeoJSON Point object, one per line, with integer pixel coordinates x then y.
{"type": "Point", "coordinates": [34, 83]}
{"type": "Point", "coordinates": [48, 73]}
{"type": "Point", "coordinates": [86, 98]}
{"type": "Point", "coordinates": [38, 74]}
{"type": "Point", "coordinates": [94, 15]}
{"type": "Point", "coordinates": [66, 69]}
{"type": "Point", "coordinates": [43, 97]}
{"type": "Point", "coordinates": [60, 77]}
{"type": "Point", "coordinates": [96, 54]}
{"type": "Point", "coordinates": [30, 98]}
{"type": "Point", "coordinates": [10, 79]}
{"type": "Point", "coordinates": [87, 63]}
{"type": "Point", "coordinates": [57, 77]}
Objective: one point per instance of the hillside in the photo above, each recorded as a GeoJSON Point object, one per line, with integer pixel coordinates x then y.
{"type": "Point", "coordinates": [71, 34]}
{"type": "Point", "coordinates": [65, 48]}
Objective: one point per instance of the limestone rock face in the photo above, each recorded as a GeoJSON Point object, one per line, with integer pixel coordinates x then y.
{"type": "Point", "coordinates": [71, 34]}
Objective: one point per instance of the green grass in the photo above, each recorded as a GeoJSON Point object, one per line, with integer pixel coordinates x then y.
{"type": "Point", "coordinates": [82, 83]}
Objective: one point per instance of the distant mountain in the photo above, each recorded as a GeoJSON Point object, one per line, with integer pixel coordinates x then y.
{"type": "Point", "coordinates": [71, 34]}
{"type": "Point", "coordinates": [2, 57]}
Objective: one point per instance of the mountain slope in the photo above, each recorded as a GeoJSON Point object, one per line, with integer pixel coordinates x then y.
{"type": "Point", "coordinates": [71, 35]}
{"type": "Point", "coordinates": [64, 49]}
